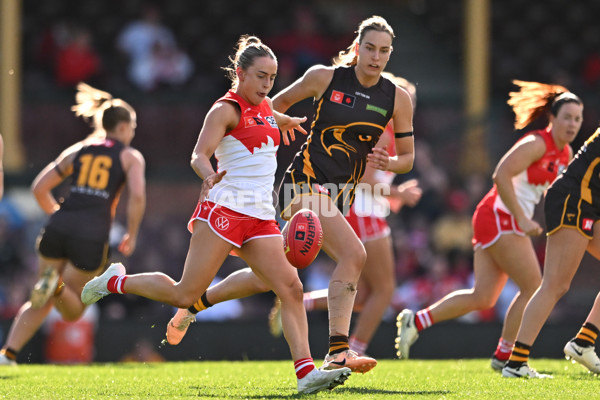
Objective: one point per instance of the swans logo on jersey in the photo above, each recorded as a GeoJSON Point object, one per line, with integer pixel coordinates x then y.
{"type": "Point", "coordinates": [253, 121]}
{"type": "Point", "coordinates": [222, 223]}
{"type": "Point", "coordinates": [271, 120]}
{"type": "Point", "coordinates": [342, 98]}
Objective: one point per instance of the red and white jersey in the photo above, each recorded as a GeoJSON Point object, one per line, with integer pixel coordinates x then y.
{"type": "Point", "coordinates": [375, 205]}
{"type": "Point", "coordinates": [248, 154]}
{"type": "Point", "coordinates": [530, 184]}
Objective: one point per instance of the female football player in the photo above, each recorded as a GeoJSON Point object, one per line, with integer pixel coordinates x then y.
{"type": "Point", "coordinates": [352, 103]}
{"type": "Point", "coordinates": [242, 131]}
{"type": "Point", "coordinates": [572, 212]}
{"type": "Point", "coordinates": [502, 223]}
{"type": "Point", "coordinates": [73, 246]}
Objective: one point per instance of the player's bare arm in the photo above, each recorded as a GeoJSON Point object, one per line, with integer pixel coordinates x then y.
{"type": "Point", "coordinates": [134, 165]}
{"type": "Point", "coordinates": [515, 161]}
{"type": "Point", "coordinates": [313, 84]}
{"type": "Point", "coordinates": [221, 118]}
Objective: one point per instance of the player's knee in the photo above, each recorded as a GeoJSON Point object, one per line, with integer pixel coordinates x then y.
{"type": "Point", "coordinates": [556, 289]}
{"type": "Point", "coordinates": [293, 291]}
{"type": "Point", "coordinates": [482, 301]}
{"type": "Point", "coordinates": [355, 256]}
{"type": "Point", "coordinates": [71, 317]}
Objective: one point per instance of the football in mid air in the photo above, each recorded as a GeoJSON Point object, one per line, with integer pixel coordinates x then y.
{"type": "Point", "coordinates": [302, 238]}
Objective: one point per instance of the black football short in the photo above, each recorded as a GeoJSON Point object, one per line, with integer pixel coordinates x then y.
{"type": "Point", "coordinates": [296, 184]}
{"type": "Point", "coordinates": [87, 255]}
{"type": "Point", "coordinates": [570, 211]}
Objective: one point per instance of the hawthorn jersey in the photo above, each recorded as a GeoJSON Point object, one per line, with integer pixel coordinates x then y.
{"type": "Point", "coordinates": [347, 123]}
{"type": "Point", "coordinates": [248, 154]}
{"type": "Point", "coordinates": [530, 184]}
{"type": "Point", "coordinates": [573, 200]}
{"type": "Point", "coordinates": [582, 176]}
{"type": "Point", "coordinates": [97, 181]}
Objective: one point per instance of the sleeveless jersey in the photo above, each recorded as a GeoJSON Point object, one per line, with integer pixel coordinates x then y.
{"type": "Point", "coordinates": [530, 184]}
{"type": "Point", "coordinates": [248, 154]}
{"type": "Point", "coordinates": [347, 123]}
{"type": "Point", "coordinates": [97, 181]}
{"type": "Point", "coordinates": [582, 176]}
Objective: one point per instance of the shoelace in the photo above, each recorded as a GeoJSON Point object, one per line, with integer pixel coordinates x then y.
{"type": "Point", "coordinates": [186, 321]}
{"type": "Point", "coordinates": [351, 354]}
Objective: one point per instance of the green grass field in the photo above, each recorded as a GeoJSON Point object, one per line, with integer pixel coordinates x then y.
{"type": "Point", "coordinates": [392, 379]}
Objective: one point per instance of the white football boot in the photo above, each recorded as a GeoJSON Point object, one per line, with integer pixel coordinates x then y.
{"type": "Point", "coordinates": [97, 288]}
{"type": "Point", "coordinates": [585, 356]}
{"type": "Point", "coordinates": [6, 361]}
{"type": "Point", "coordinates": [407, 333]}
{"type": "Point", "coordinates": [497, 364]}
{"type": "Point", "coordinates": [524, 371]}
{"type": "Point", "coordinates": [317, 380]}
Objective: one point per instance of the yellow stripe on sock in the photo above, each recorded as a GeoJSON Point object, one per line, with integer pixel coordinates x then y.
{"type": "Point", "coordinates": [519, 358]}
{"type": "Point", "coordinates": [340, 346]}
{"type": "Point", "coordinates": [521, 351]}
{"type": "Point", "coordinates": [587, 332]}
{"type": "Point", "coordinates": [199, 306]}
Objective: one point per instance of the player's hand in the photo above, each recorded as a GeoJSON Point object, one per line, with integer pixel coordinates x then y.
{"type": "Point", "coordinates": [378, 159]}
{"type": "Point", "coordinates": [530, 227]}
{"type": "Point", "coordinates": [209, 182]}
{"type": "Point", "coordinates": [410, 193]}
{"type": "Point", "coordinates": [127, 245]}
{"type": "Point", "coordinates": [289, 127]}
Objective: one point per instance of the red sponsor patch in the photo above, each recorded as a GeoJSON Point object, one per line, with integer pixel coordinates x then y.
{"type": "Point", "coordinates": [337, 97]}
{"type": "Point", "coordinates": [249, 121]}
{"type": "Point", "coordinates": [342, 98]}
{"type": "Point", "coordinates": [587, 224]}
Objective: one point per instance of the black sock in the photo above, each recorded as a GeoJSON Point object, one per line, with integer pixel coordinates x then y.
{"type": "Point", "coordinates": [587, 335]}
{"type": "Point", "coordinates": [200, 305]}
{"type": "Point", "coordinates": [337, 344]}
{"type": "Point", "coordinates": [519, 355]}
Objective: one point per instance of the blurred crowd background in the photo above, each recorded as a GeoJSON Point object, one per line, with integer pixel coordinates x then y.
{"type": "Point", "coordinates": [164, 58]}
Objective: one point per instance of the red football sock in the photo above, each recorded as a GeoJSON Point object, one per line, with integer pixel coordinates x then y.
{"type": "Point", "coordinates": [303, 366]}
{"type": "Point", "coordinates": [116, 284]}
{"type": "Point", "coordinates": [503, 350]}
{"type": "Point", "coordinates": [423, 319]}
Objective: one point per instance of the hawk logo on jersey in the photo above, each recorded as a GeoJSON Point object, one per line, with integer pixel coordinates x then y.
{"type": "Point", "coordinates": [342, 98]}
{"type": "Point", "coordinates": [341, 145]}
